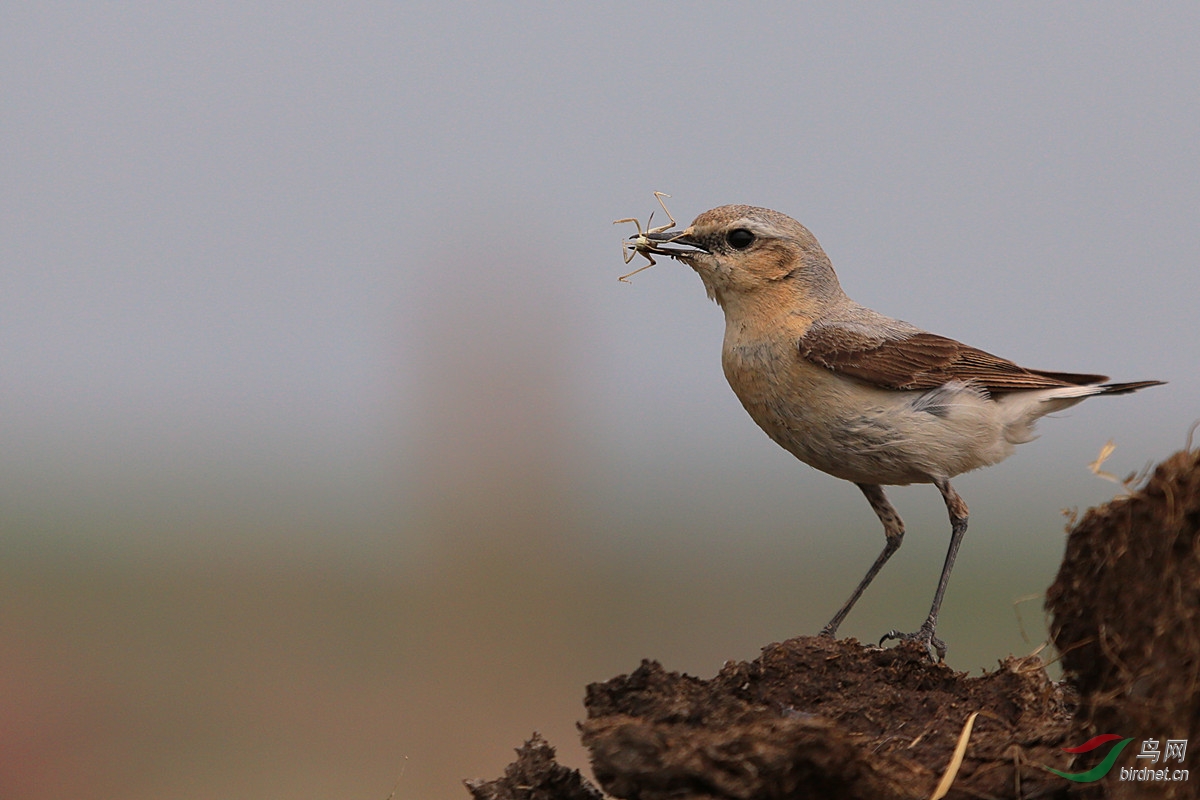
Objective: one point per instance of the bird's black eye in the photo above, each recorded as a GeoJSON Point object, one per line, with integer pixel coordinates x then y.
{"type": "Point", "coordinates": [739, 238]}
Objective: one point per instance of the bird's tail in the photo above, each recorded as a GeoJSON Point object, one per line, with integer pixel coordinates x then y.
{"type": "Point", "coordinates": [1025, 408]}
{"type": "Point", "coordinates": [1126, 388]}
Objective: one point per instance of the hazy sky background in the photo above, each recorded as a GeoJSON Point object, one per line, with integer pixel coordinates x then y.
{"type": "Point", "coordinates": [250, 251]}
{"type": "Point", "coordinates": [299, 279]}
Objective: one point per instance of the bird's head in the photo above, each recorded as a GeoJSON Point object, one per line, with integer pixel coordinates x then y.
{"type": "Point", "coordinates": [745, 250]}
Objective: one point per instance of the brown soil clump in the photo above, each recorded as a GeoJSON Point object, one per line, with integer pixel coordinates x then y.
{"type": "Point", "coordinates": [822, 718]}
{"type": "Point", "coordinates": [812, 717]}
{"type": "Point", "coordinates": [535, 775]}
{"type": "Point", "coordinates": [1126, 617]}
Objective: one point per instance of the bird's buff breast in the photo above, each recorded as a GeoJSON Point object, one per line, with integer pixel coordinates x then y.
{"type": "Point", "coordinates": [848, 429]}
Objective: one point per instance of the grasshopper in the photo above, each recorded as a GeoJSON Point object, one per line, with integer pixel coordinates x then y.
{"type": "Point", "coordinates": [641, 244]}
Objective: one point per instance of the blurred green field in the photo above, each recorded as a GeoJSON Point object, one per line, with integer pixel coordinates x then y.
{"type": "Point", "coordinates": [209, 677]}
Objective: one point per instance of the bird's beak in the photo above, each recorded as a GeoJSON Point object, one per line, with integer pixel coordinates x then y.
{"type": "Point", "coordinates": [673, 243]}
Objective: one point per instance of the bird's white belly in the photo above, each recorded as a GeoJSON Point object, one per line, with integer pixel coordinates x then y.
{"type": "Point", "coordinates": [863, 433]}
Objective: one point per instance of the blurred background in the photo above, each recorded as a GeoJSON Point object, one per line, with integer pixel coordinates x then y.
{"type": "Point", "coordinates": [333, 456]}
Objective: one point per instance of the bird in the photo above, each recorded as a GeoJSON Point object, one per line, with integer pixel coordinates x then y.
{"type": "Point", "coordinates": [852, 392]}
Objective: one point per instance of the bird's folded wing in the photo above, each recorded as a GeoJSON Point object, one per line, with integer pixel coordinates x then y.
{"type": "Point", "coordinates": [920, 360]}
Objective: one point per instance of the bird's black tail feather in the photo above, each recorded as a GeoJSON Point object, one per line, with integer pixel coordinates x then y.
{"type": "Point", "coordinates": [1126, 388]}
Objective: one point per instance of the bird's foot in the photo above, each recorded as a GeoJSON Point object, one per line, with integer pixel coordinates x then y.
{"type": "Point", "coordinates": [934, 646]}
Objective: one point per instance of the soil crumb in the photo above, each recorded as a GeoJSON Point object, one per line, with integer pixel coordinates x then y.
{"type": "Point", "coordinates": [535, 775]}
{"type": "Point", "coordinates": [813, 717]}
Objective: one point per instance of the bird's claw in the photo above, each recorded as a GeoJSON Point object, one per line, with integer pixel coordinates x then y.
{"type": "Point", "coordinates": [934, 646]}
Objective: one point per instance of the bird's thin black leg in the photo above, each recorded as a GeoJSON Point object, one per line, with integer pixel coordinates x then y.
{"type": "Point", "coordinates": [893, 529]}
{"type": "Point", "coordinates": [958, 527]}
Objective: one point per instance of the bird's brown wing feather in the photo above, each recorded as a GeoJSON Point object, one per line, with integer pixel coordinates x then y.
{"type": "Point", "coordinates": [923, 361]}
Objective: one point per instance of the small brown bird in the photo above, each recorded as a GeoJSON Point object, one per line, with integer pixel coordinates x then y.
{"type": "Point", "coordinates": [852, 392]}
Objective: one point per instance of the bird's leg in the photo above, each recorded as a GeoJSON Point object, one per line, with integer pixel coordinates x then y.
{"type": "Point", "coordinates": [958, 527]}
{"type": "Point", "coordinates": [893, 529]}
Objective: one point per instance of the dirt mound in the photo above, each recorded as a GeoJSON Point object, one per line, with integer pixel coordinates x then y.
{"type": "Point", "coordinates": [831, 718]}
{"type": "Point", "coordinates": [813, 717]}
{"type": "Point", "coordinates": [1126, 617]}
